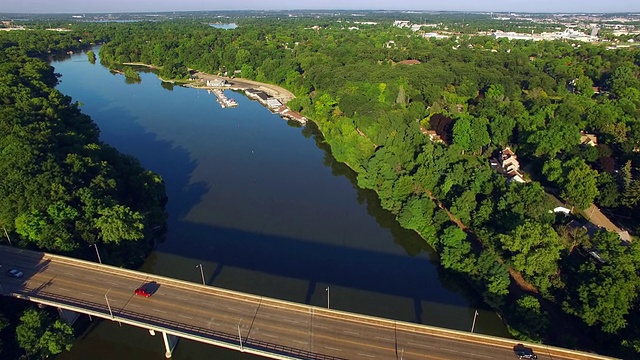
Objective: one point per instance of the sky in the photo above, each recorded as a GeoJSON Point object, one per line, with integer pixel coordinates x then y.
{"type": "Point", "coordinates": [114, 6]}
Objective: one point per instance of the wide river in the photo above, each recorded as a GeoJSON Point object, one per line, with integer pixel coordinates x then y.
{"type": "Point", "coordinates": [262, 205]}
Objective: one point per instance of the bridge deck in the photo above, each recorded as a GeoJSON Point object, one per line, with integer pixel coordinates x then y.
{"type": "Point", "coordinates": [268, 327]}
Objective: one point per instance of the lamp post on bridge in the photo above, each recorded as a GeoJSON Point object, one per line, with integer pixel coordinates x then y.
{"type": "Point", "coordinates": [240, 336]}
{"type": "Point", "coordinates": [328, 296]}
{"type": "Point", "coordinates": [97, 253]}
{"type": "Point", "coordinates": [7, 235]}
{"type": "Point", "coordinates": [108, 306]}
{"type": "Point", "coordinates": [201, 273]}
{"type": "Point", "coordinates": [473, 326]}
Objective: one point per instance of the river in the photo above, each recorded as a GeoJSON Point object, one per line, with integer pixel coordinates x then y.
{"type": "Point", "coordinates": [264, 208]}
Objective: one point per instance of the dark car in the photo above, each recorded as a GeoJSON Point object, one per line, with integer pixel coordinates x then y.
{"type": "Point", "coordinates": [142, 292]}
{"type": "Point", "coordinates": [14, 273]}
{"type": "Point", "coordinates": [523, 352]}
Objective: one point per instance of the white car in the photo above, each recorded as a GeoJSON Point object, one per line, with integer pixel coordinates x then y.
{"type": "Point", "coordinates": [14, 273]}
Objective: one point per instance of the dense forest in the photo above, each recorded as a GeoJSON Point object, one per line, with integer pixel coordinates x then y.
{"type": "Point", "coordinates": [62, 190]}
{"type": "Point", "coordinates": [480, 94]}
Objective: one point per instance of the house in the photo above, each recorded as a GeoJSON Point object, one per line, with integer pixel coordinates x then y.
{"type": "Point", "coordinates": [588, 139]}
{"type": "Point", "coordinates": [218, 83]}
{"type": "Point", "coordinates": [273, 103]}
{"type": "Point", "coordinates": [510, 165]}
{"type": "Point", "coordinates": [433, 135]}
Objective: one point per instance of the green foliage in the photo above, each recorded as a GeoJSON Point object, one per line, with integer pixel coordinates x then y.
{"type": "Point", "coordinates": [456, 250]}
{"type": "Point", "coordinates": [62, 188]}
{"type": "Point", "coordinates": [577, 181]}
{"type": "Point", "coordinates": [609, 291]}
{"type": "Point", "coordinates": [131, 74]}
{"type": "Point", "coordinates": [534, 249]}
{"type": "Point", "coordinates": [91, 56]}
{"type": "Point", "coordinates": [41, 336]}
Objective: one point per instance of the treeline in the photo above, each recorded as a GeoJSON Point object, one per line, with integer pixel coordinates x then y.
{"type": "Point", "coordinates": [62, 189]}
{"type": "Point", "coordinates": [535, 97]}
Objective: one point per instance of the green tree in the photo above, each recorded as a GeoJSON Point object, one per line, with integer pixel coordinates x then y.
{"type": "Point", "coordinates": [91, 56]}
{"type": "Point", "coordinates": [534, 249]}
{"type": "Point", "coordinates": [41, 336]}
{"type": "Point", "coordinates": [577, 181]}
{"type": "Point", "coordinates": [456, 250]}
{"type": "Point", "coordinates": [119, 223]}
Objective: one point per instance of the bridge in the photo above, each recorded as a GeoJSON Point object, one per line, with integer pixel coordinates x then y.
{"type": "Point", "coordinates": [253, 324]}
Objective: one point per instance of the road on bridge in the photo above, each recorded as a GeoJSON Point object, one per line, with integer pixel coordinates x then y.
{"type": "Point", "coordinates": [206, 312]}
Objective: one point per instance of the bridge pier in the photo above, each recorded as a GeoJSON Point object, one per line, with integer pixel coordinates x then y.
{"type": "Point", "coordinates": [170, 342]}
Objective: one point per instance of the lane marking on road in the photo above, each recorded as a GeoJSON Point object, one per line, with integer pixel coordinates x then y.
{"type": "Point", "coordinates": [420, 345]}
{"type": "Point", "coordinates": [291, 321]}
{"type": "Point", "coordinates": [63, 289]}
{"type": "Point", "coordinates": [301, 342]}
{"type": "Point", "coordinates": [332, 348]}
{"type": "Point", "coordinates": [85, 294]}
{"type": "Point", "coordinates": [350, 332]}
{"type": "Point", "coordinates": [320, 326]}
{"type": "Point", "coordinates": [182, 298]}
{"type": "Point", "coordinates": [271, 336]}
{"type": "Point", "coordinates": [366, 355]}
{"type": "Point", "coordinates": [158, 310]}
{"type": "Point", "coordinates": [185, 316]}
{"type": "Point", "coordinates": [134, 305]}
{"type": "Point", "coordinates": [384, 338]}
{"type": "Point", "coordinates": [478, 355]}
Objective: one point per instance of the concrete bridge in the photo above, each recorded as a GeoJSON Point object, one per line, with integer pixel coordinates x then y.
{"type": "Point", "coordinates": [258, 325]}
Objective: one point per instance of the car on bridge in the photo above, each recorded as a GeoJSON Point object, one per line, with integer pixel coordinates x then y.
{"type": "Point", "coordinates": [141, 291]}
{"type": "Point", "coordinates": [14, 273]}
{"type": "Point", "coordinates": [523, 352]}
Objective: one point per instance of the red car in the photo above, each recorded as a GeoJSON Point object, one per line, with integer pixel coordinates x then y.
{"type": "Point", "coordinates": [142, 292]}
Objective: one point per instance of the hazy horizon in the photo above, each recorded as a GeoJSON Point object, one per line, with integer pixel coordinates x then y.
{"type": "Point", "coordinates": [122, 6]}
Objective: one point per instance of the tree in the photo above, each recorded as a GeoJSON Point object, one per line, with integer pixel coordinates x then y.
{"type": "Point", "coordinates": [456, 250]}
{"type": "Point", "coordinates": [41, 336]}
{"type": "Point", "coordinates": [118, 223]}
{"type": "Point", "coordinates": [578, 182]}
{"type": "Point", "coordinates": [471, 133]}
{"type": "Point", "coordinates": [91, 56]}
{"type": "Point", "coordinates": [611, 288]}
{"type": "Point", "coordinates": [534, 249]}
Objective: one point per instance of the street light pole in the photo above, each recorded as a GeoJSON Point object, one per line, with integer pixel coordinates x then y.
{"type": "Point", "coordinates": [109, 306]}
{"type": "Point", "coordinates": [473, 326]}
{"type": "Point", "coordinates": [7, 235]}
{"type": "Point", "coordinates": [201, 273]}
{"type": "Point", "coordinates": [97, 253]}
{"type": "Point", "coordinates": [240, 336]}
{"type": "Point", "coordinates": [328, 297]}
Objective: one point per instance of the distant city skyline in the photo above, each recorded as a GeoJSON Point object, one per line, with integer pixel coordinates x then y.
{"type": "Point", "coordinates": [117, 6]}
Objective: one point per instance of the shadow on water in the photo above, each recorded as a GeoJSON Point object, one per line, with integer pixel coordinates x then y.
{"type": "Point", "coordinates": [120, 129]}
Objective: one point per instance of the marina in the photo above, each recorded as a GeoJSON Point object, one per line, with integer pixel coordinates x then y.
{"type": "Point", "coordinates": [223, 100]}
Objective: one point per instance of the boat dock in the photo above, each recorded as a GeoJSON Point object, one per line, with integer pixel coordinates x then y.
{"type": "Point", "coordinates": [223, 100]}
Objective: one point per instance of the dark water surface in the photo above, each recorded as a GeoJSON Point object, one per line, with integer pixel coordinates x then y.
{"type": "Point", "coordinates": [265, 208]}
